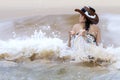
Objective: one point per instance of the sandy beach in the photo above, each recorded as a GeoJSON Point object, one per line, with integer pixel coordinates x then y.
{"type": "Point", "coordinates": [10, 9]}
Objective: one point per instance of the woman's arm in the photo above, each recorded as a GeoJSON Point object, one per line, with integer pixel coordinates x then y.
{"type": "Point", "coordinates": [98, 38]}
{"type": "Point", "coordinates": [71, 33]}
{"type": "Point", "coordinates": [69, 40]}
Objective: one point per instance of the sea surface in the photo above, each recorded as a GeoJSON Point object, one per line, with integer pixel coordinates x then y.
{"type": "Point", "coordinates": [35, 48]}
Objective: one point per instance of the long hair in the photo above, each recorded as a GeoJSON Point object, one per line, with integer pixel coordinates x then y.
{"type": "Point", "coordinates": [87, 25]}
{"type": "Point", "coordinates": [87, 22]}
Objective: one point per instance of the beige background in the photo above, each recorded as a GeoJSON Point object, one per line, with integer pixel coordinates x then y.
{"type": "Point", "coordinates": [19, 8]}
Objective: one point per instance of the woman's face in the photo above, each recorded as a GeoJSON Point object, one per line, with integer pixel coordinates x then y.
{"type": "Point", "coordinates": [82, 19]}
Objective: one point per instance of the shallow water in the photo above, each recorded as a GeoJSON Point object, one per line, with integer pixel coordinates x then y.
{"type": "Point", "coordinates": [38, 70]}
{"type": "Point", "coordinates": [35, 48]}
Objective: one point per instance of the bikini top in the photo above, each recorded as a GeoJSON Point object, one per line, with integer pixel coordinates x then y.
{"type": "Point", "coordinates": [89, 38]}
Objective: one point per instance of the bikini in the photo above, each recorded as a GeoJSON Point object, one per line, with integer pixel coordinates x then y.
{"type": "Point", "coordinates": [89, 38]}
{"type": "Point", "coordinates": [83, 43]}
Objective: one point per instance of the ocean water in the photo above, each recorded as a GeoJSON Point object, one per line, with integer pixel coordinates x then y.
{"type": "Point", "coordinates": [35, 48]}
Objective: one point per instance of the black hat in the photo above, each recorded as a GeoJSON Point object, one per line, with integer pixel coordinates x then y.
{"type": "Point", "coordinates": [89, 13]}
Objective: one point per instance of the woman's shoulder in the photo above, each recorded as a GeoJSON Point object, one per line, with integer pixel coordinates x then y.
{"type": "Point", "coordinates": [76, 25]}
{"type": "Point", "coordinates": [95, 26]}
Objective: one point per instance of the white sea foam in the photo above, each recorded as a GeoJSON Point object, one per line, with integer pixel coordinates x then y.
{"type": "Point", "coordinates": [35, 44]}
{"type": "Point", "coordinates": [39, 42]}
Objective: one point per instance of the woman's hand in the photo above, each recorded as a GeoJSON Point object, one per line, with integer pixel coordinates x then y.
{"type": "Point", "coordinates": [71, 32]}
{"type": "Point", "coordinates": [82, 33]}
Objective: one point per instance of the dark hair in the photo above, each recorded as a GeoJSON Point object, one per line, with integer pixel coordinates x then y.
{"type": "Point", "coordinates": [87, 24]}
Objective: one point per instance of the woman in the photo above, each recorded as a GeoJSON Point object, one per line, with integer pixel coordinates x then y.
{"type": "Point", "coordinates": [86, 28]}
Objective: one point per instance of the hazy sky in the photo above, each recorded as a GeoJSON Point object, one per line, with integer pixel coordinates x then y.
{"type": "Point", "coordinates": [11, 4]}
{"type": "Point", "coordinates": [17, 8]}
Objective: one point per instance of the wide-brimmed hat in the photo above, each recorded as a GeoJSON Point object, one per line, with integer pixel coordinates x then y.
{"type": "Point", "coordinates": [89, 13]}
